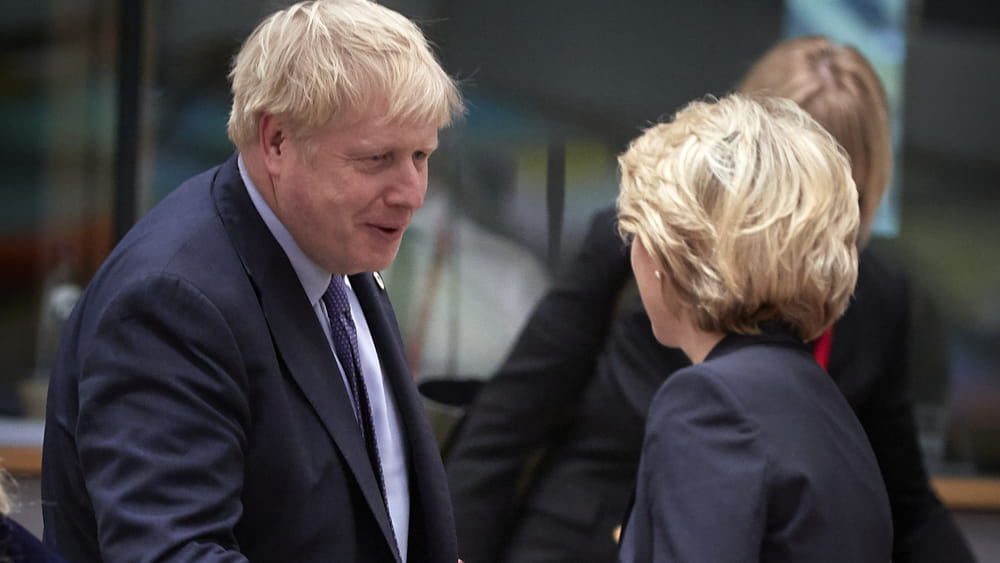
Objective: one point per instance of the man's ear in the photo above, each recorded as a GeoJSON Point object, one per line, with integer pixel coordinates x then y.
{"type": "Point", "coordinates": [271, 137]}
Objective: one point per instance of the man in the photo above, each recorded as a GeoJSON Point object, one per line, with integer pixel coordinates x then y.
{"type": "Point", "coordinates": [210, 401]}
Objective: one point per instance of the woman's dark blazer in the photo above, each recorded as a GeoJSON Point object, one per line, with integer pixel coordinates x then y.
{"type": "Point", "coordinates": [755, 455]}
{"type": "Point", "coordinates": [546, 458]}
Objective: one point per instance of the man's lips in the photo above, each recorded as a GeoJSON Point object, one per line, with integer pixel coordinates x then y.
{"type": "Point", "coordinates": [389, 228]}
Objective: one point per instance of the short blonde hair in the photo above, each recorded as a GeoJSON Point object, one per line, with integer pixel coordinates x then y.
{"type": "Point", "coordinates": [323, 61]}
{"type": "Point", "coordinates": [749, 207]}
{"type": "Point", "coordinates": [840, 89]}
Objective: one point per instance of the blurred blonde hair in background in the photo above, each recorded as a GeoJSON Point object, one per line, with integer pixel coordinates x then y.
{"type": "Point", "coordinates": [840, 89]}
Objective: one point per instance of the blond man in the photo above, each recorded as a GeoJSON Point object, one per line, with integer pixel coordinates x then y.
{"type": "Point", "coordinates": [232, 385]}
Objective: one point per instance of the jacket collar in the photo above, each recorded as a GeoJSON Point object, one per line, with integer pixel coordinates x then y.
{"type": "Point", "coordinates": [771, 333]}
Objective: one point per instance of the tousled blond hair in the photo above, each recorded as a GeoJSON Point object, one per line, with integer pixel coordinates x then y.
{"type": "Point", "coordinates": [840, 89]}
{"type": "Point", "coordinates": [748, 205]}
{"type": "Point", "coordinates": [325, 61]}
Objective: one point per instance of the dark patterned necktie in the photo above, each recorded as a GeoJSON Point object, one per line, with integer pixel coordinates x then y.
{"type": "Point", "coordinates": [345, 343]}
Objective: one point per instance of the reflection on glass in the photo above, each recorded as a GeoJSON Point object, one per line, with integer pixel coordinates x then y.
{"type": "Point", "coordinates": [57, 80]}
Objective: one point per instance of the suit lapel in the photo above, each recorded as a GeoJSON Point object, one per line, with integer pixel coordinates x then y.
{"type": "Point", "coordinates": [430, 500]}
{"type": "Point", "coordinates": [299, 339]}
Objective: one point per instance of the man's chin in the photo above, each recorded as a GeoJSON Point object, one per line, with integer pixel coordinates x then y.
{"type": "Point", "coordinates": [376, 261]}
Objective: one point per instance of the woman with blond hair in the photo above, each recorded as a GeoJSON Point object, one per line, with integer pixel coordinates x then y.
{"type": "Point", "coordinates": [743, 217]}
{"type": "Point", "coordinates": [578, 383]}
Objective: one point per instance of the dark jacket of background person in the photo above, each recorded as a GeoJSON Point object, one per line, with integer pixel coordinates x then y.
{"type": "Point", "coordinates": [577, 387]}
{"type": "Point", "coordinates": [258, 449]}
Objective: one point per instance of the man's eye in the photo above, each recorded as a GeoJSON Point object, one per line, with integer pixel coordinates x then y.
{"type": "Point", "coordinates": [374, 161]}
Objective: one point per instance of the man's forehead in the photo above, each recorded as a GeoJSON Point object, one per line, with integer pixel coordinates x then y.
{"type": "Point", "coordinates": [375, 135]}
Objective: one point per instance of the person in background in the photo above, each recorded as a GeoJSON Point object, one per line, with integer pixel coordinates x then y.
{"type": "Point", "coordinates": [232, 385]}
{"type": "Point", "coordinates": [743, 218]}
{"type": "Point", "coordinates": [17, 544]}
{"type": "Point", "coordinates": [545, 459]}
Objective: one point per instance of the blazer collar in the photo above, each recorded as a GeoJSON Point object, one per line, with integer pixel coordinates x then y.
{"type": "Point", "coordinates": [771, 333]}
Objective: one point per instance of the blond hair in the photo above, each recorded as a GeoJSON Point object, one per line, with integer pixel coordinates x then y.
{"type": "Point", "coordinates": [749, 207]}
{"type": "Point", "coordinates": [323, 61]}
{"type": "Point", "coordinates": [840, 89]}
{"type": "Point", "coordinates": [6, 484]}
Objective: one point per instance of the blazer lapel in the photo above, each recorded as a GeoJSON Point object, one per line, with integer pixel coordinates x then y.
{"type": "Point", "coordinates": [299, 339]}
{"type": "Point", "coordinates": [430, 500]}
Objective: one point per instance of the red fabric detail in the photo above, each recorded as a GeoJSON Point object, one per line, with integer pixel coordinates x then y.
{"type": "Point", "coordinates": [821, 349]}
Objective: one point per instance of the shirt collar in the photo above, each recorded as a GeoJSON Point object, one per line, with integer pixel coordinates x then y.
{"type": "Point", "coordinates": [313, 278]}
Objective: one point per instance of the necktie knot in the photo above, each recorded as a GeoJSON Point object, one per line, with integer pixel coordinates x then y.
{"type": "Point", "coordinates": [342, 331]}
{"type": "Point", "coordinates": [335, 297]}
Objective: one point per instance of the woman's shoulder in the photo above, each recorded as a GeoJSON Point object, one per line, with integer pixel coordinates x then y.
{"type": "Point", "coordinates": [751, 375]}
{"type": "Point", "coordinates": [704, 390]}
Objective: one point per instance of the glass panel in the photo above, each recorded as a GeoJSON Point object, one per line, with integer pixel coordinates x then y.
{"type": "Point", "coordinates": [950, 231]}
{"type": "Point", "coordinates": [57, 95]}
{"type": "Point", "coordinates": [191, 43]}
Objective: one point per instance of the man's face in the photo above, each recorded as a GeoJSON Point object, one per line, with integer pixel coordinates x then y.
{"type": "Point", "coordinates": [347, 202]}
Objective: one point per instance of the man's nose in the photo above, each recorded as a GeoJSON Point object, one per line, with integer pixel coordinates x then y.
{"type": "Point", "coordinates": [409, 185]}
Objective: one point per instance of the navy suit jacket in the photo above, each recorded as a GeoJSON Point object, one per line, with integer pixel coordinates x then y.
{"type": "Point", "coordinates": [196, 412]}
{"type": "Point", "coordinates": [755, 455]}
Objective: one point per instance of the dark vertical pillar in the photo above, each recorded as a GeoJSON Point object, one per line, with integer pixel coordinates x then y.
{"type": "Point", "coordinates": [127, 138]}
{"type": "Point", "coordinates": [555, 190]}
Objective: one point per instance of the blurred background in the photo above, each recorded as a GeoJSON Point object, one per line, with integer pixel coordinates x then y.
{"type": "Point", "coordinates": [107, 105]}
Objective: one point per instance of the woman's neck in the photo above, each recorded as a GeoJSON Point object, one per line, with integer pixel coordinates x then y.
{"type": "Point", "coordinates": [698, 343]}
